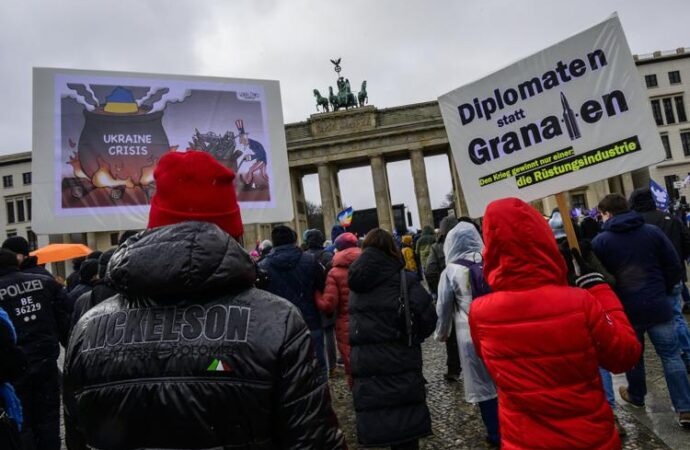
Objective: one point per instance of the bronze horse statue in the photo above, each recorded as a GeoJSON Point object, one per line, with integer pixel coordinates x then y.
{"type": "Point", "coordinates": [362, 95]}
{"type": "Point", "coordinates": [320, 101]}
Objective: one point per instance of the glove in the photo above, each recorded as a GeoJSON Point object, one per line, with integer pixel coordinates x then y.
{"type": "Point", "coordinates": [587, 277]}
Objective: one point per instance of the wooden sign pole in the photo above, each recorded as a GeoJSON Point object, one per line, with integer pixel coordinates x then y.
{"type": "Point", "coordinates": [567, 221]}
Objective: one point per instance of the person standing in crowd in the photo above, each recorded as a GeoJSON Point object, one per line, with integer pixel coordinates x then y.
{"type": "Point", "coordinates": [386, 357]}
{"type": "Point", "coordinates": [73, 278]}
{"type": "Point", "coordinates": [434, 265]}
{"type": "Point", "coordinates": [336, 296]}
{"type": "Point", "coordinates": [234, 365]}
{"type": "Point", "coordinates": [408, 254]}
{"type": "Point", "coordinates": [543, 341]}
{"type": "Point", "coordinates": [423, 245]}
{"type": "Point", "coordinates": [37, 307]}
{"type": "Point", "coordinates": [646, 268]}
{"type": "Point", "coordinates": [642, 202]}
{"type": "Point", "coordinates": [315, 239]}
{"type": "Point", "coordinates": [101, 289]}
{"type": "Point", "coordinates": [13, 366]}
{"type": "Point", "coordinates": [459, 286]}
{"type": "Point", "coordinates": [266, 247]}
{"type": "Point", "coordinates": [88, 276]}
{"type": "Point", "coordinates": [299, 278]}
{"type": "Point", "coordinates": [336, 231]}
{"type": "Point", "coordinates": [27, 263]}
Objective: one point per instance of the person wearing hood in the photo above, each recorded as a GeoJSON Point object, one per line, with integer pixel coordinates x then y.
{"type": "Point", "coordinates": [642, 202]}
{"type": "Point", "coordinates": [299, 278]}
{"type": "Point", "coordinates": [37, 306]}
{"type": "Point", "coordinates": [27, 263]}
{"type": "Point", "coordinates": [543, 341]}
{"type": "Point", "coordinates": [463, 247]}
{"type": "Point", "coordinates": [646, 268]}
{"type": "Point", "coordinates": [336, 295]}
{"type": "Point", "coordinates": [424, 243]}
{"type": "Point", "coordinates": [386, 356]}
{"type": "Point", "coordinates": [408, 254]}
{"type": "Point", "coordinates": [435, 264]}
{"type": "Point", "coordinates": [189, 354]}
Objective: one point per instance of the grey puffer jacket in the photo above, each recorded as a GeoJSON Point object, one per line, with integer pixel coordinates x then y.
{"type": "Point", "coordinates": [190, 355]}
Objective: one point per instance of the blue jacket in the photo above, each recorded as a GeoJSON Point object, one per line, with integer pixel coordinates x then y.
{"type": "Point", "coordinates": [295, 276]}
{"type": "Point", "coordinates": [644, 263]}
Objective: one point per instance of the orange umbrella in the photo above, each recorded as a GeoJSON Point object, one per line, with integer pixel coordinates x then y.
{"type": "Point", "coordinates": [60, 252]}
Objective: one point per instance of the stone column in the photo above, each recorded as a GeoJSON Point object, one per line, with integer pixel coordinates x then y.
{"type": "Point", "coordinates": [381, 193]}
{"type": "Point", "coordinates": [628, 185]}
{"type": "Point", "coordinates": [327, 198]}
{"type": "Point", "coordinates": [91, 241]}
{"type": "Point", "coordinates": [616, 184]}
{"type": "Point", "coordinates": [299, 203]}
{"type": "Point", "coordinates": [421, 187]}
{"type": "Point", "coordinates": [458, 195]}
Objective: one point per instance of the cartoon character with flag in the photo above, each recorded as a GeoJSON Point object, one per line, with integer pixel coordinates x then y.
{"type": "Point", "coordinates": [253, 158]}
{"type": "Point", "coordinates": [345, 217]}
{"type": "Point", "coordinates": [661, 197]}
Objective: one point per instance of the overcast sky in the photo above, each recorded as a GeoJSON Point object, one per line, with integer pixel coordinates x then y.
{"type": "Point", "coordinates": [407, 51]}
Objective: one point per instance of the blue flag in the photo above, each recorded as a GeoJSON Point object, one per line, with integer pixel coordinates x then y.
{"type": "Point", "coordinates": [661, 197]}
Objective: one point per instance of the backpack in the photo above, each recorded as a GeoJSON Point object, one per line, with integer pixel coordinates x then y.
{"type": "Point", "coordinates": [478, 284]}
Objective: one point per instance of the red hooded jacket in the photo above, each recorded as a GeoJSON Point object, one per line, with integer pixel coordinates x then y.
{"type": "Point", "coordinates": [335, 299]}
{"type": "Point", "coordinates": [543, 341]}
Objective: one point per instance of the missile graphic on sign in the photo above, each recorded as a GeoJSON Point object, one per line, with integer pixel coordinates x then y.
{"type": "Point", "coordinates": [570, 119]}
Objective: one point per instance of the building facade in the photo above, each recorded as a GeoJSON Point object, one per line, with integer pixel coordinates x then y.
{"type": "Point", "coordinates": [666, 76]}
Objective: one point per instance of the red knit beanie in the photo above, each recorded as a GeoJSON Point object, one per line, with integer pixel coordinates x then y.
{"type": "Point", "coordinates": [193, 186]}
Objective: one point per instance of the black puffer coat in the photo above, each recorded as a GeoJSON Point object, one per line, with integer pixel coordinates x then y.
{"type": "Point", "coordinates": [388, 391]}
{"type": "Point", "coordinates": [190, 355]}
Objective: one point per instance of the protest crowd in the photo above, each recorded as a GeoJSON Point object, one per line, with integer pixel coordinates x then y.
{"type": "Point", "coordinates": [180, 338]}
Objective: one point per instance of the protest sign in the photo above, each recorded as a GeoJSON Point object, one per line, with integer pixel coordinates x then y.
{"type": "Point", "coordinates": [98, 137]}
{"type": "Point", "coordinates": [567, 116]}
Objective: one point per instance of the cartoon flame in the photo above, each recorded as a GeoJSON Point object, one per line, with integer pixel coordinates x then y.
{"type": "Point", "coordinates": [76, 166]}
{"type": "Point", "coordinates": [103, 178]}
{"type": "Point", "coordinates": [147, 173]}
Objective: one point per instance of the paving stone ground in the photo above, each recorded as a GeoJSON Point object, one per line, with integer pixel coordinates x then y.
{"type": "Point", "coordinates": [456, 424]}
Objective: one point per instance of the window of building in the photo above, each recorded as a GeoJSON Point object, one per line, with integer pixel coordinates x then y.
{"type": "Point", "coordinates": [33, 240]}
{"type": "Point", "coordinates": [680, 109]}
{"type": "Point", "coordinates": [685, 140]}
{"type": "Point", "coordinates": [667, 145]}
{"type": "Point", "coordinates": [26, 178]}
{"type": "Point", "coordinates": [10, 212]}
{"type": "Point", "coordinates": [11, 233]}
{"type": "Point", "coordinates": [20, 210]}
{"type": "Point", "coordinates": [674, 77]}
{"type": "Point", "coordinates": [28, 208]}
{"type": "Point", "coordinates": [114, 238]}
{"type": "Point", "coordinates": [656, 110]}
{"type": "Point", "coordinates": [668, 110]}
{"type": "Point", "coordinates": [7, 181]}
{"type": "Point", "coordinates": [651, 81]}
{"type": "Point", "coordinates": [578, 201]}
{"type": "Point", "coordinates": [668, 181]}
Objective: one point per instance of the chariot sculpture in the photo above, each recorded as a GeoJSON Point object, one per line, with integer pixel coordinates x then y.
{"type": "Point", "coordinates": [344, 98]}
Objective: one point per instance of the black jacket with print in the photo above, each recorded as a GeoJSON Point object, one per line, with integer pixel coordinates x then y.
{"type": "Point", "coordinates": [190, 355]}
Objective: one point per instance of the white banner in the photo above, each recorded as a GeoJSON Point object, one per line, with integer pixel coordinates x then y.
{"type": "Point", "coordinates": [99, 135]}
{"type": "Point", "coordinates": [570, 115]}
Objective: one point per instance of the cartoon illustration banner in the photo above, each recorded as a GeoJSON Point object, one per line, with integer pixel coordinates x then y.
{"type": "Point", "coordinates": [570, 115]}
{"type": "Point", "coordinates": [99, 135]}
